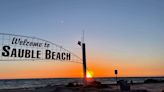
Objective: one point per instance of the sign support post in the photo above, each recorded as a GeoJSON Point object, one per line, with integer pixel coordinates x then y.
{"type": "Point", "coordinates": [82, 44]}
{"type": "Point", "coordinates": [84, 64]}
{"type": "Point", "coordinates": [116, 72]}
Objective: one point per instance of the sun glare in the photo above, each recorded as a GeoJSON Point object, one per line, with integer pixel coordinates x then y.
{"type": "Point", "coordinates": [89, 74]}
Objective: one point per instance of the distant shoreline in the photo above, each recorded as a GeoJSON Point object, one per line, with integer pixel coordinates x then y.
{"type": "Point", "coordinates": [81, 78]}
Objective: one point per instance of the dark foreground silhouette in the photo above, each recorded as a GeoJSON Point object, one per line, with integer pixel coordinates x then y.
{"type": "Point", "coordinates": [95, 86]}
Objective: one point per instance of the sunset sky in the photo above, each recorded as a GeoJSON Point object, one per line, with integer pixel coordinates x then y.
{"type": "Point", "coordinates": [127, 35]}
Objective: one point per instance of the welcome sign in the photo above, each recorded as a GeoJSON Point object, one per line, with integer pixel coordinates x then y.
{"type": "Point", "coordinates": [16, 47]}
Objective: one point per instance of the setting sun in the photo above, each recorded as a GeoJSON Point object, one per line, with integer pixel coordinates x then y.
{"type": "Point", "coordinates": [89, 74]}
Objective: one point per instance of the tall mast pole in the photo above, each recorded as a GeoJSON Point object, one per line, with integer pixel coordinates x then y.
{"type": "Point", "coordinates": [82, 44]}
{"type": "Point", "coordinates": [84, 60]}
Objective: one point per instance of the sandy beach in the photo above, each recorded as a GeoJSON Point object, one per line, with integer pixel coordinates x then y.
{"type": "Point", "coordinates": [144, 87]}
